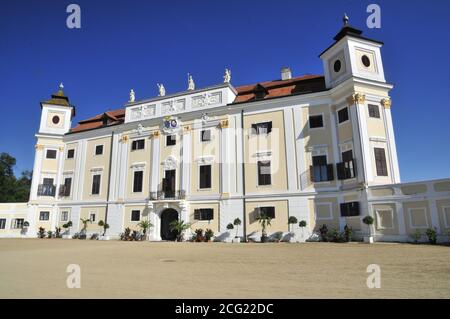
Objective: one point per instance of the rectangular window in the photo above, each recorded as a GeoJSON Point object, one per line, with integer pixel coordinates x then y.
{"type": "Point", "coordinates": [350, 209]}
{"type": "Point", "coordinates": [320, 170]}
{"type": "Point", "coordinates": [380, 162]}
{"type": "Point", "coordinates": [17, 223]}
{"type": "Point", "coordinates": [137, 181]}
{"type": "Point", "coordinates": [2, 223]}
{"type": "Point", "coordinates": [135, 215]}
{"type": "Point", "coordinates": [138, 145]}
{"type": "Point", "coordinates": [92, 217]}
{"type": "Point", "coordinates": [44, 215]}
{"type": "Point", "coordinates": [264, 173]}
{"type": "Point", "coordinates": [315, 121]}
{"type": "Point", "coordinates": [71, 153]}
{"type": "Point", "coordinates": [48, 181]}
{"type": "Point", "coordinates": [171, 140]}
{"type": "Point", "coordinates": [51, 154]}
{"type": "Point", "coordinates": [347, 168]}
{"type": "Point", "coordinates": [206, 135]}
{"type": "Point", "coordinates": [99, 150]}
{"type": "Point", "coordinates": [205, 176]}
{"type": "Point", "coordinates": [268, 211]}
{"type": "Point", "coordinates": [204, 214]}
{"type": "Point", "coordinates": [262, 128]}
{"type": "Point", "coordinates": [374, 111]}
{"type": "Point", "coordinates": [343, 115]}
{"type": "Point", "coordinates": [64, 216]}
{"type": "Point", "coordinates": [96, 184]}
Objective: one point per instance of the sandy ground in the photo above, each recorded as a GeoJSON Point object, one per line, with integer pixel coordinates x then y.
{"type": "Point", "coordinates": [36, 268]}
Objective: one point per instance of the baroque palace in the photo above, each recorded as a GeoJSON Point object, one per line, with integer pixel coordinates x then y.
{"type": "Point", "coordinates": [317, 147]}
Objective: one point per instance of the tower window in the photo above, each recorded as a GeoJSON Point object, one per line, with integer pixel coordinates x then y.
{"type": "Point", "coordinates": [337, 66]}
{"type": "Point", "coordinates": [365, 61]}
{"type": "Point", "coordinates": [71, 153]}
{"type": "Point", "coordinates": [205, 176]}
{"type": "Point", "coordinates": [138, 145]}
{"type": "Point", "coordinates": [99, 150]}
{"type": "Point", "coordinates": [264, 173]}
{"type": "Point", "coordinates": [380, 161]}
{"type": "Point", "coordinates": [374, 111]}
{"type": "Point", "coordinates": [96, 184]}
{"type": "Point", "coordinates": [315, 121]}
{"type": "Point", "coordinates": [171, 140]}
{"type": "Point", "coordinates": [137, 183]}
{"type": "Point", "coordinates": [51, 154]}
{"type": "Point", "coordinates": [206, 135]}
{"type": "Point", "coordinates": [44, 215]}
{"type": "Point", "coordinates": [262, 128]}
{"type": "Point", "coordinates": [55, 119]}
{"type": "Point", "coordinates": [343, 115]}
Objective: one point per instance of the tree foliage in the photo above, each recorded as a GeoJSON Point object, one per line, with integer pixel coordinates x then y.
{"type": "Point", "coordinates": [13, 189]}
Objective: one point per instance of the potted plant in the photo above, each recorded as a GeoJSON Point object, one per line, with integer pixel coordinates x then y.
{"type": "Point", "coordinates": [264, 221]}
{"type": "Point", "coordinates": [368, 220]}
{"type": "Point", "coordinates": [208, 234]}
{"type": "Point", "coordinates": [348, 233]}
{"type": "Point", "coordinates": [179, 226]}
{"type": "Point", "coordinates": [237, 223]}
{"type": "Point", "coordinates": [292, 221]}
{"type": "Point", "coordinates": [49, 234]}
{"type": "Point", "coordinates": [230, 227]}
{"type": "Point", "coordinates": [58, 232]}
{"type": "Point", "coordinates": [199, 235]}
{"type": "Point", "coordinates": [41, 232]}
{"type": "Point", "coordinates": [145, 225]}
{"type": "Point", "coordinates": [302, 225]}
{"type": "Point", "coordinates": [67, 226]}
{"type": "Point", "coordinates": [83, 231]}
{"type": "Point", "coordinates": [105, 226]}
{"type": "Point", "coordinates": [323, 233]}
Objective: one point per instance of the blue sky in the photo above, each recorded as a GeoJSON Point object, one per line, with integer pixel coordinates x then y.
{"type": "Point", "coordinates": [136, 44]}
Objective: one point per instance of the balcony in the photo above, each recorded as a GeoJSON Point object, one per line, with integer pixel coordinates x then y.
{"type": "Point", "coordinates": [46, 190]}
{"type": "Point", "coordinates": [346, 170]}
{"type": "Point", "coordinates": [321, 173]}
{"type": "Point", "coordinates": [161, 195]}
{"type": "Point", "coordinates": [64, 191]}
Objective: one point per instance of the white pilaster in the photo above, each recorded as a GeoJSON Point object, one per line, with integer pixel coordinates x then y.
{"type": "Point", "coordinates": [122, 183]}
{"type": "Point", "coordinates": [400, 218]}
{"type": "Point", "coordinates": [79, 171]}
{"type": "Point", "coordinates": [38, 157]}
{"type": "Point", "coordinates": [365, 143]}
{"type": "Point", "coordinates": [290, 149]}
{"type": "Point", "coordinates": [115, 167]}
{"type": "Point", "coordinates": [434, 215]}
{"type": "Point", "coordinates": [239, 153]}
{"type": "Point", "coordinates": [334, 138]}
{"type": "Point", "coordinates": [186, 162]}
{"type": "Point", "coordinates": [300, 146]}
{"type": "Point", "coordinates": [155, 164]}
{"type": "Point", "coordinates": [59, 173]}
{"type": "Point", "coordinates": [395, 170]}
{"type": "Point", "coordinates": [225, 159]}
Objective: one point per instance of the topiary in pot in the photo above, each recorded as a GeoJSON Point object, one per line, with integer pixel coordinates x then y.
{"type": "Point", "coordinates": [302, 225]}
{"type": "Point", "coordinates": [292, 220]}
{"type": "Point", "coordinates": [368, 220]}
{"type": "Point", "coordinates": [208, 235]}
{"type": "Point", "coordinates": [237, 222]}
{"type": "Point", "coordinates": [264, 221]}
{"type": "Point", "coordinates": [41, 232]}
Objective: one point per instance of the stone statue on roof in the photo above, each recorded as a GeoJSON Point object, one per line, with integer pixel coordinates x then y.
{"type": "Point", "coordinates": [132, 96]}
{"type": "Point", "coordinates": [191, 84]}
{"type": "Point", "coordinates": [227, 76]}
{"type": "Point", "coordinates": [162, 89]}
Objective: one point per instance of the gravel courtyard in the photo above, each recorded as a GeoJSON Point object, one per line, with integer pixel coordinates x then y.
{"type": "Point", "coordinates": [36, 268]}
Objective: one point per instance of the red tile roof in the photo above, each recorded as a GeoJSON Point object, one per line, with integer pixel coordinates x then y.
{"type": "Point", "coordinates": [246, 93]}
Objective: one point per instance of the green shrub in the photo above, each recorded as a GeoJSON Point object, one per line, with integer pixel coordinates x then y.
{"type": "Point", "coordinates": [302, 223]}
{"type": "Point", "coordinates": [416, 236]}
{"type": "Point", "coordinates": [323, 233]}
{"type": "Point", "coordinates": [49, 234]}
{"type": "Point", "coordinates": [368, 220]}
{"type": "Point", "coordinates": [432, 236]}
{"type": "Point", "coordinates": [348, 233]}
{"type": "Point", "coordinates": [230, 226]}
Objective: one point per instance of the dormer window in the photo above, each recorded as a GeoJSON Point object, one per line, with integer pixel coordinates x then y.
{"type": "Point", "coordinates": [260, 92]}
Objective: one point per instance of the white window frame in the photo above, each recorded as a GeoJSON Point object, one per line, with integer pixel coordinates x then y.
{"type": "Point", "coordinates": [330, 209]}
{"type": "Point", "coordinates": [176, 140]}
{"type": "Point", "coordinates": [410, 218]}
{"type": "Point", "coordinates": [138, 169]}
{"type": "Point", "coordinates": [379, 111]}
{"type": "Point", "coordinates": [13, 221]}
{"type": "Point", "coordinates": [74, 153]}
{"type": "Point", "coordinates": [6, 221]}
{"type": "Point", "coordinates": [199, 178]}
{"type": "Point", "coordinates": [264, 159]}
{"type": "Point", "coordinates": [210, 135]}
{"type": "Point", "coordinates": [379, 227]}
{"type": "Point", "coordinates": [138, 149]}
{"type": "Point", "coordinates": [44, 220]}
{"type": "Point", "coordinates": [96, 171]}
{"type": "Point", "coordinates": [50, 149]}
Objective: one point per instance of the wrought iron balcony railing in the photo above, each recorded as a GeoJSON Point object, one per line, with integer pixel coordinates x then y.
{"type": "Point", "coordinates": [46, 190]}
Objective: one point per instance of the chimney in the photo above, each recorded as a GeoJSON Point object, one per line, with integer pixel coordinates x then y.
{"type": "Point", "coordinates": [286, 73]}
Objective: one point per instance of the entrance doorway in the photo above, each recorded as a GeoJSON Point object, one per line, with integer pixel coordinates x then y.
{"type": "Point", "coordinates": [168, 216]}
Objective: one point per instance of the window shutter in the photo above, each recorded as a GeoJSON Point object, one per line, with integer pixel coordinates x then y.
{"type": "Point", "coordinates": [340, 170]}
{"type": "Point", "coordinates": [269, 127]}
{"type": "Point", "coordinates": [311, 173]}
{"type": "Point", "coordinates": [197, 214]}
{"type": "Point", "coordinates": [330, 175]}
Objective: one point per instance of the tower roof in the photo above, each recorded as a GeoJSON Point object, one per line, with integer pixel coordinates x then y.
{"type": "Point", "coordinates": [348, 30]}
{"type": "Point", "coordinates": [60, 99]}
